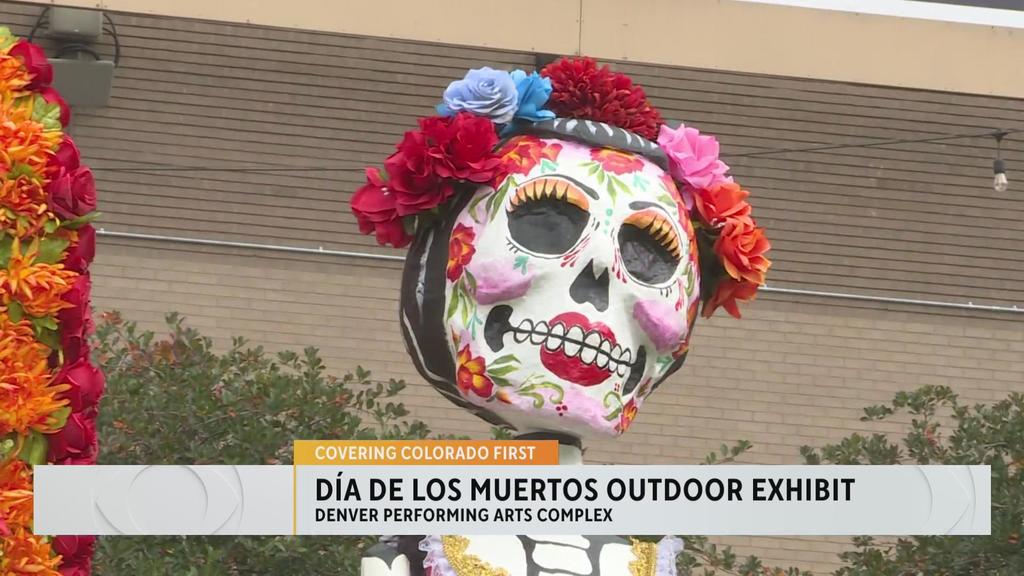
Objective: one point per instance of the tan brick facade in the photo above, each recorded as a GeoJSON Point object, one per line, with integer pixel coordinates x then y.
{"type": "Point", "coordinates": [916, 220]}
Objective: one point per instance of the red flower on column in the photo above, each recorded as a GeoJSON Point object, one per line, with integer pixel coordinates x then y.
{"type": "Point", "coordinates": [72, 193]}
{"type": "Point", "coordinates": [34, 60]}
{"type": "Point", "coordinates": [76, 554]}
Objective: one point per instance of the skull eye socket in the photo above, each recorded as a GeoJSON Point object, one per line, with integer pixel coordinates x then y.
{"type": "Point", "coordinates": [548, 215]}
{"type": "Point", "coordinates": [650, 247]}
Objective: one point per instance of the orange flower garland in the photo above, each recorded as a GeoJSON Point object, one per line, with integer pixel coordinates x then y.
{"type": "Point", "coordinates": [46, 202]}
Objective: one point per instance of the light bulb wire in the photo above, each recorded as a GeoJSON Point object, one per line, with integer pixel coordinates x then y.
{"type": "Point", "coordinates": [998, 165]}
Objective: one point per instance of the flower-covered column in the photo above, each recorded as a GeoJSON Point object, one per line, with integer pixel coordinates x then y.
{"type": "Point", "coordinates": [49, 391]}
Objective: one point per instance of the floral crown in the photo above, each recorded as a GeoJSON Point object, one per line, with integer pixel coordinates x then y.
{"type": "Point", "coordinates": [458, 147]}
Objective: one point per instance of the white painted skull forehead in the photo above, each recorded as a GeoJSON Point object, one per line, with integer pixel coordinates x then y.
{"type": "Point", "coordinates": [569, 287]}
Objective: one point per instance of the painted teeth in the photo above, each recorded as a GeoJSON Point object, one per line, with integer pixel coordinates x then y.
{"type": "Point", "coordinates": [540, 333]}
{"type": "Point", "coordinates": [573, 341]}
{"type": "Point", "coordinates": [591, 347]}
{"type": "Point", "coordinates": [555, 338]}
{"type": "Point", "coordinates": [588, 355]}
{"type": "Point", "coordinates": [522, 333]}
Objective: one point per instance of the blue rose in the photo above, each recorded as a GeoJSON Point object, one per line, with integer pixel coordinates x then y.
{"type": "Point", "coordinates": [534, 91]}
{"type": "Point", "coordinates": [484, 92]}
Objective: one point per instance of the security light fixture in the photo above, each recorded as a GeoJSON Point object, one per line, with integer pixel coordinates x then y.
{"type": "Point", "coordinates": [999, 181]}
{"type": "Point", "coordinates": [80, 73]}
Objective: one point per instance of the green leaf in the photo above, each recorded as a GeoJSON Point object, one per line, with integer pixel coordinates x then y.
{"type": "Point", "coordinates": [476, 202]}
{"type": "Point", "coordinates": [453, 304]}
{"type": "Point", "coordinates": [505, 359]}
{"type": "Point", "coordinates": [538, 400]}
{"type": "Point", "coordinates": [6, 38]}
{"type": "Point", "coordinates": [76, 223]}
{"type": "Point", "coordinates": [6, 244]}
{"type": "Point", "coordinates": [50, 338]}
{"type": "Point", "coordinates": [46, 114]}
{"type": "Point", "coordinates": [559, 395]}
{"type": "Point", "coordinates": [51, 250]}
{"type": "Point", "coordinates": [621, 186]}
{"type": "Point", "coordinates": [613, 414]}
{"type": "Point", "coordinates": [15, 311]}
{"type": "Point", "coordinates": [35, 448]}
{"type": "Point", "coordinates": [502, 370]}
{"type": "Point", "coordinates": [21, 169]}
{"type": "Point", "coordinates": [45, 322]}
{"type": "Point", "coordinates": [60, 417]}
{"type": "Point", "coordinates": [6, 445]}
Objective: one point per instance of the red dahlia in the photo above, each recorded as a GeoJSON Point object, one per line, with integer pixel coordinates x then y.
{"type": "Point", "coordinates": [581, 89]}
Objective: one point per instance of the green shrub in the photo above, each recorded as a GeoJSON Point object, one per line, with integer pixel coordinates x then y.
{"type": "Point", "coordinates": [978, 434]}
{"type": "Point", "coordinates": [177, 400]}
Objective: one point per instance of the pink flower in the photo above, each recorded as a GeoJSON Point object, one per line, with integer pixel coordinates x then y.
{"type": "Point", "coordinates": [694, 158]}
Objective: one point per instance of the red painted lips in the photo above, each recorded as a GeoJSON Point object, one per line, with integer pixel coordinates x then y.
{"type": "Point", "coordinates": [578, 350]}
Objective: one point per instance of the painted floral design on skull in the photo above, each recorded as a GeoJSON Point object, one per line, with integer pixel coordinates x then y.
{"type": "Point", "coordinates": [570, 288]}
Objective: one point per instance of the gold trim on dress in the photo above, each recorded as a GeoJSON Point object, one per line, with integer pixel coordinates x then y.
{"type": "Point", "coordinates": [646, 562]}
{"type": "Point", "coordinates": [464, 564]}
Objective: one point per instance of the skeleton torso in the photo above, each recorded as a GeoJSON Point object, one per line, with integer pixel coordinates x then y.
{"type": "Point", "coordinates": [520, 556]}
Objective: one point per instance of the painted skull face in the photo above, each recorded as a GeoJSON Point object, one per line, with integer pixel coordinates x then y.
{"type": "Point", "coordinates": [569, 291]}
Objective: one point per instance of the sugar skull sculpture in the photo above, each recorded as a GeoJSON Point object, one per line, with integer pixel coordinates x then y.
{"type": "Point", "coordinates": [563, 239]}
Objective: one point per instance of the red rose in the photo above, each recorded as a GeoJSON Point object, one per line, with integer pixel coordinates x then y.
{"type": "Point", "coordinates": [468, 153]}
{"type": "Point", "coordinates": [72, 193]}
{"type": "Point", "coordinates": [80, 254]}
{"type": "Point", "coordinates": [74, 321]}
{"type": "Point", "coordinates": [76, 554]}
{"type": "Point", "coordinates": [375, 209]}
{"type": "Point", "coordinates": [66, 156]}
{"type": "Point", "coordinates": [54, 97]}
{"type": "Point", "coordinates": [427, 160]}
{"type": "Point", "coordinates": [86, 383]}
{"type": "Point", "coordinates": [75, 443]}
{"type": "Point", "coordinates": [34, 60]}
{"type": "Point", "coordinates": [413, 177]}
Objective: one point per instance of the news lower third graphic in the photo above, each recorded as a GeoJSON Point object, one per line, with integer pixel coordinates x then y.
{"type": "Point", "coordinates": [495, 487]}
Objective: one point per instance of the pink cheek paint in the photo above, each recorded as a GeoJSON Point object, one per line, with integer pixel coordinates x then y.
{"type": "Point", "coordinates": [498, 281]}
{"type": "Point", "coordinates": [662, 323]}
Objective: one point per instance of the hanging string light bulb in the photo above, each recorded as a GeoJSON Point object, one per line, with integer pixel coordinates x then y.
{"type": "Point", "coordinates": [999, 181]}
